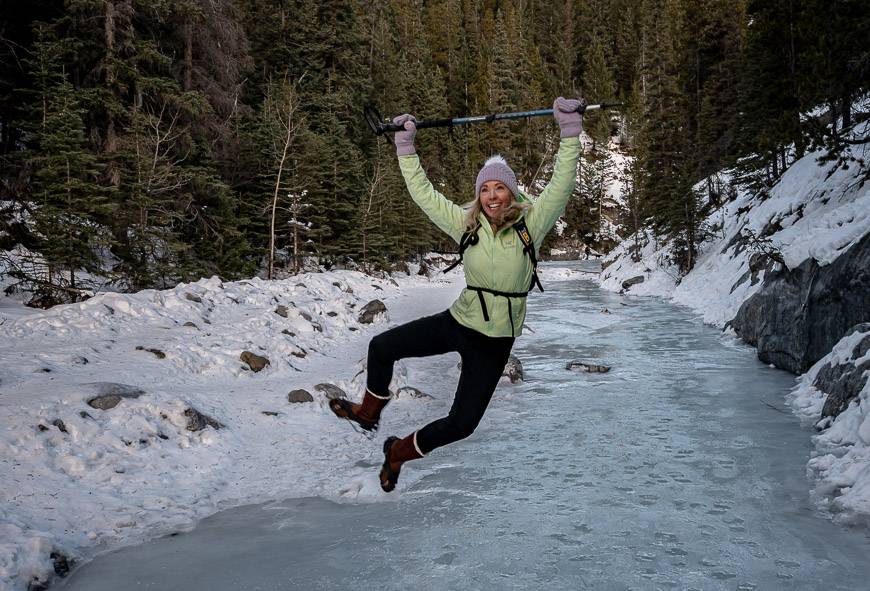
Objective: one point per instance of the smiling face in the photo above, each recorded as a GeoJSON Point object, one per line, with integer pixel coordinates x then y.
{"type": "Point", "coordinates": [495, 198]}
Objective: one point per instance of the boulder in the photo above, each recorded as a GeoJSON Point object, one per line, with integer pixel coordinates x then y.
{"type": "Point", "coordinates": [109, 395]}
{"type": "Point", "coordinates": [61, 426]}
{"type": "Point", "coordinates": [799, 314]}
{"type": "Point", "coordinates": [845, 381]}
{"type": "Point", "coordinates": [254, 361]}
{"type": "Point", "coordinates": [411, 392]}
{"type": "Point", "coordinates": [156, 352]}
{"type": "Point", "coordinates": [587, 367]}
{"type": "Point", "coordinates": [371, 311]}
{"type": "Point", "coordinates": [191, 325]}
{"type": "Point", "coordinates": [297, 396]}
{"type": "Point", "coordinates": [197, 421]}
{"type": "Point", "coordinates": [513, 370]}
{"type": "Point", "coordinates": [193, 297]}
{"type": "Point", "coordinates": [282, 311]}
{"type": "Point", "coordinates": [632, 281]}
{"type": "Point", "coordinates": [60, 563]}
{"type": "Point", "coordinates": [331, 391]}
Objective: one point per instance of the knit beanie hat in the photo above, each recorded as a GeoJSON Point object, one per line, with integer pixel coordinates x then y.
{"type": "Point", "coordinates": [496, 169]}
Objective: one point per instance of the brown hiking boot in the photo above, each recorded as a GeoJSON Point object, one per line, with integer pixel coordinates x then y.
{"type": "Point", "coordinates": [366, 414]}
{"type": "Point", "coordinates": [397, 452]}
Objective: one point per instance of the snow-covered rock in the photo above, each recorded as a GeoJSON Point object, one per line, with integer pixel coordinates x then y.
{"type": "Point", "coordinates": [841, 464]}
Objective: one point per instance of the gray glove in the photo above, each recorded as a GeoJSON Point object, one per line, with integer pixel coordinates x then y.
{"type": "Point", "coordinates": [404, 140]}
{"type": "Point", "coordinates": [568, 116]}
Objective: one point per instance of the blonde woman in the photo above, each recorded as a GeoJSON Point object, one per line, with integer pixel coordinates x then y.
{"type": "Point", "coordinates": [489, 313]}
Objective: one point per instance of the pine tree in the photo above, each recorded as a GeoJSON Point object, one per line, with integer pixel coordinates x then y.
{"type": "Point", "coordinates": [70, 207]}
{"type": "Point", "coordinates": [665, 184]}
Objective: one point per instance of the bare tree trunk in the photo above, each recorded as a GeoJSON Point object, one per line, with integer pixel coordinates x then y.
{"type": "Point", "coordinates": [287, 139]}
{"type": "Point", "coordinates": [111, 139]}
{"type": "Point", "coordinates": [188, 56]}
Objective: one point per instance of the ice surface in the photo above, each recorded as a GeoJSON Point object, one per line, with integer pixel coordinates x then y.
{"type": "Point", "coordinates": [680, 468]}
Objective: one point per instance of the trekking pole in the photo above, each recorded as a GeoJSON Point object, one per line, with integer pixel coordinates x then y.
{"type": "Point", "coordinates": [380, 126]}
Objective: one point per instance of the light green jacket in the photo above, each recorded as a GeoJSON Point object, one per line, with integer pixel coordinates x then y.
{"type": "Point", "coordinates": [497, 261]}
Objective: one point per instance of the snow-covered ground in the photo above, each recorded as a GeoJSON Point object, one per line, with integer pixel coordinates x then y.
{"type": "Point", "coordinates": [811, 212]}
{"type": "Point", "coordinates": [76, 480]}
{"type": "Point", "coordinates": [121, 475]}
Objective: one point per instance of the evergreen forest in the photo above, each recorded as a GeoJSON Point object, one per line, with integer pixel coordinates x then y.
{"type": "Point", "coordinates": [147, 142]}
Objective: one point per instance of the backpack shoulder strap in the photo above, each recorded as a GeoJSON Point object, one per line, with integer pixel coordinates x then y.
{"type": "Point", "coordinates": [467, 239]}
{"type": "Point", "coordinates": [529, 249]}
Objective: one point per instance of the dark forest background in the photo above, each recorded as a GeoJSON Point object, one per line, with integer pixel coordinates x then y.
{"type": "Point", "coordinates": [145, 142]}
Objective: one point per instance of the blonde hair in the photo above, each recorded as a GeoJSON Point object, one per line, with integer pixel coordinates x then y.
{"type": "Point", "coordinates": [473, 209]}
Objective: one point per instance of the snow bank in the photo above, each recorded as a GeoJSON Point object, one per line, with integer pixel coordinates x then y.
{"type": "Point", "coordinates": [841, 462]}
{"type": "Point", "coordinates": [76, 480]}
{"type": "Point", "coordinates": [811, 212]}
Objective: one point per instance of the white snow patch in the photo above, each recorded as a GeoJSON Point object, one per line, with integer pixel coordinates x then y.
{"type": "Point", "coordinates": [78, 480]}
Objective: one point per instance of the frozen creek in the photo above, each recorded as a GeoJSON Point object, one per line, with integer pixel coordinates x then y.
{"type": "Point", "coordinates": [680, 469]}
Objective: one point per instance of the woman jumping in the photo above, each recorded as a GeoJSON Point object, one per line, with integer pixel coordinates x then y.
{"type": "Point", "coordinates": [499, 233]}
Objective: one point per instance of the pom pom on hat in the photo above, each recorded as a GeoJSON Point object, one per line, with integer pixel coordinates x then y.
{"type": "Point", "coordinates": [496, 169]}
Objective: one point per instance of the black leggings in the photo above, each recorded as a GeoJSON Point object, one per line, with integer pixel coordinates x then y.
{"type": "Point", "coordinates": [483, 361]}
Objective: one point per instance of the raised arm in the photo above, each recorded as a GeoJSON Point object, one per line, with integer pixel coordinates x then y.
{"type": "Point", "coordinates": [445, 214]}
{"type": "Point", "coordinates": [553, 199]}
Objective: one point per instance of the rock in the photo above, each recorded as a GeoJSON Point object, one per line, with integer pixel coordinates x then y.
{"type": "Point", "coordinates": [193, 297]}
{"type": "Point", "coordinates": [60, 563]}
{"type": "Point", "coordinates": [412, 392]}
{"type": "Point", "coordinates": [190, 324]}
{"type": "Point", "coordinates": [269, 413]}
{"type": "Point", "coordinates": [282, 311]}
{"type": "Point", "coordinates": [300, 353]}
{"type": "Point", "coordinates": [844, 382]}
{"type": "Point", "coordinates": [288, 332]}
{"type": "Point", "coordinates": [85, 415]}
{"type": "Point", "coordinates": [759, 262]}
{"type": "Point", "coordinates": [861, 348]}
{"type": "Point", "coordinates": [306, 315]}
{"type": "Point", "coordinates": [110, 395]}
{"type": "Point", "coordinates": [36, 585]}
{"type": "Point", "coordinates": [297, 396]}
{"type": "Point", "coordinates": [332, 314]}
{"type": "Point", "coordinates": [370, 311]}
{"type": "Point", "coordinates": [197, 421]}
{"type": "Point", "coordinates": [424, 269]}
{"type": "Point", "coordinates": [632, 281]}
{"type": "Point", "coordinates": [331, 391]}
{"type": "Point", "coordinates": [799, 314]}
{"type": "Point", "coordinates": [587, 367]}
{"type": "Point", "coordinates": [157, 352]}
{"type": "Point", "coordinates": [513, 370]}
{"type": "Point", "coordinates": [42, 427]}
{"type": "Point", "coordinates": [254, 361]}
{"type": "Point", "coordinates": [377, 287]}
{"type": "Point", "coordinates": [60, 425]}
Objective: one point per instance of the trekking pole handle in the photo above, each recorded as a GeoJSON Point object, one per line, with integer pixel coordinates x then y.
{"type": "Point", "coordinates": [388, 127]}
